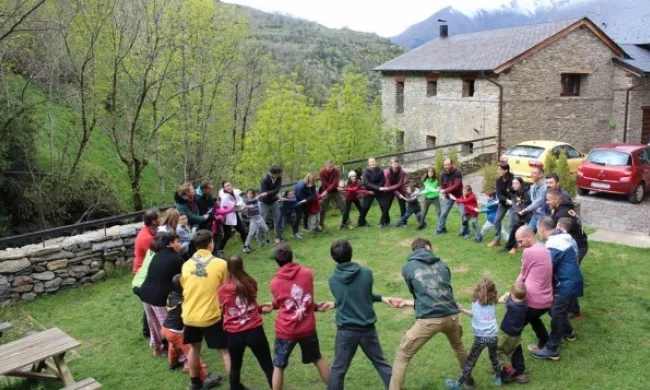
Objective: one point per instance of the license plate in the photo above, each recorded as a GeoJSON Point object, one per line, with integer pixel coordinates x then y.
{"type": "Point", "coordinates": [604, 186]}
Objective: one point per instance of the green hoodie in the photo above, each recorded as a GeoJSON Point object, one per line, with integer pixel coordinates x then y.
{"type": "Point", "coordinates": [429, 280]}
{"type": "Point", "coordinates": [351, 285]}
{"type": "Point", "coordinates": [431, 188]}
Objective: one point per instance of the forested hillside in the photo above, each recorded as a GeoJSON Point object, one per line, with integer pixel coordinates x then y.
{"type": "Point", "coordinates": [107, 105]}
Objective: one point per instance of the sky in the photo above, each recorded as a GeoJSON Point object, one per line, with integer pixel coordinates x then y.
{"type": "Point", "coordinates": [364, 15]}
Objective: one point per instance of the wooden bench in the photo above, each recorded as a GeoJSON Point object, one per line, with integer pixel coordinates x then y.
{"type": "Point", "coordinates": [36, 350]}
{"type": "Point", "coordinates": [86, 384]}
{"type": "Point", "coordinates": [4, 326]}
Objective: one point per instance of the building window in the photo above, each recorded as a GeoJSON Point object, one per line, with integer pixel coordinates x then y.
{"type": "Point", "coordinates": [431, 141]}
{"type": "Point", "coordinates": [467, 148]}
{"type": "Point", "coordinates": [468, 88]}
{"type": "Point", "coordinates": [571, 84]}
{"type": "Point", "coordinates": [432, 87]}
{"type": "Point", "coordinates": [399, 97]}
{"type": "Point", "coordinates": [400, 140]}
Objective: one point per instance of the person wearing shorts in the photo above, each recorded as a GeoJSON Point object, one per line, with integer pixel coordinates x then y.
{"type": "Point", "coordinates": [293, 295]}
{"type": "Point", "coordinates": [201, 277]}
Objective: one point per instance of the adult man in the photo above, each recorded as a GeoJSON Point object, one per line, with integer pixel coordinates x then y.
{"type": "Point", "coordinates": [201, 276]}
{"type": "Point", "coordinates": [330, 178]}
{"type": "Point", "coordinates": [205, 203]}
{"type": "Point", "coordinates": [394, 180]}
{"type": "Point", "coordinates": [451, 182]}
{"type": "Point", "coordinates": [269, 198]}
{"type": "Point", "coordinates": [372, 180]}
{"type": "Point", "coordinates": [537, 193]}
{"type": "Point", "coordinates": [351, 286]}
{"type": "Point", "coordinates": [560, 208]}
{"type": "Point", "coordinates": [537, 274]}
{"type": "Point", "coordinates": [429, 281]}
{"type": "Point", "coordinates": [567, 285]}
{"type": "Point", "coordinates": [503, 189]}
{"type": "Point", "coordinates": [151, 220]}
{"type": "Point", "coordinates": [553, 183]}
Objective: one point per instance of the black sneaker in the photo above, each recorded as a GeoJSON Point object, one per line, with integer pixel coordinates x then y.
{"type": "Point", "coordinates": [343, 227]}
{"type": "Point", "coordinates": [212, 381]}
{"type": "Point", "coordinates": [504, 250]}
{"type": "Point", "coordinates": [175, 366]}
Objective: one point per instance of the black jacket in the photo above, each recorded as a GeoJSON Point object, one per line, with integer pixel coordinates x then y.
{"type": "Point", "coordinates": [204, 203]}
{"type": "Point", "coordinates": [519, 203]}
{"type": "Point", "coordinates": [566, 210]}
{"type": "Point", "coordinates": [272, 189]}
{"type": "Point", "coordinates": [174, 318]}
{"type": "Point", "coordinates": [158, 284]}
{"type": "Point", "coordinates": [504, 188]}
{"type": "Point", "coordinates": [373, 178]}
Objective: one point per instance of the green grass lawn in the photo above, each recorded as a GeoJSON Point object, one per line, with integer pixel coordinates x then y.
{"type": "Point", "coordinates": [612, 350]}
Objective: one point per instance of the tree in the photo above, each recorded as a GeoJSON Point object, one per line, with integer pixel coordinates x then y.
{"type": "Point", "coordinates": [489, 173]}
{"type": "Point", "coordinates": [14, 14]}
{"type": "Point", "coordinates": [453, 156]}
{"type": "Point", "coordinates": [550, 162]}
{"type": "Point", "coordinates": [567, 180]}
{"type": "Point", "coordinates": [440, 160]}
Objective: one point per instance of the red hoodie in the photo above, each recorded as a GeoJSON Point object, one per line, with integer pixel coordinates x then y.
{"type": "Point", "coordinates": [330, 180]}
{"type": "Point", "coordinates": [239, 315]}
{"type": "Point", "coordinates": [142, 244]}
{"type": "Point", "coordinates": [470, 203]}
{"type": "Point", "coordinates": [314, 205]}
{"type": "Point", "coordinates": [353, 191]}
{"type": "Point", "coordinates": [293, 294]}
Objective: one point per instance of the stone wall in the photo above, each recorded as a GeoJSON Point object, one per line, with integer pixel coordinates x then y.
{"type": "Point", "coordinates": [448, 116]}
{"type": "Point", "coordinates": [534, 109]}
{"type": "Point", "coordinates": [78, 260]}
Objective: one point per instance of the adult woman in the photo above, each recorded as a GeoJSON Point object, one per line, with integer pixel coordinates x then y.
{"type": "Point", "coordinates": [174, 222]}
{"type": "Point", "coordinates": [186, 204]}
{"type": "Point", "coordinates": [158, 284]}
{"type": "Point", "coordinates": [232, 221]}
{"type": "Point", "coordinates": [305, 190]}
{"type": "Point", "coordinates": [503, 188]}
{"type": "Point", "coordinates": [242, 321]}
{"type": "Point", "coordinates": [431, 193]}
{"type": "Point", "coordinates": [519, 200]}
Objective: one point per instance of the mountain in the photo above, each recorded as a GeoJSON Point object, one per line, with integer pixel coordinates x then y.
{"type": "Point", "coordinates": [626, 21]}
{"type": "Point", "coordinates": [317, 53]}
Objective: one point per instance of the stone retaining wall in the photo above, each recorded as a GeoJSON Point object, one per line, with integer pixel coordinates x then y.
{"type": "Point", "coordinates": [33, 270]}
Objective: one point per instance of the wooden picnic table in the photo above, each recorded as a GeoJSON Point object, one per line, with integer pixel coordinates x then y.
{"type": "Point", "coordinates": [35, 350]}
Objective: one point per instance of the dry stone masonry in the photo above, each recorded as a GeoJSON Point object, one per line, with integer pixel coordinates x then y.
{"type": "Point", "coordinates": [78, 260]}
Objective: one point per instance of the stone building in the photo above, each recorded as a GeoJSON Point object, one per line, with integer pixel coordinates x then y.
{"type": "Point", "coordinates": [564, 80]}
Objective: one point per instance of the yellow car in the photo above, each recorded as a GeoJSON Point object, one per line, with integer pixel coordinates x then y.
{"type": "Point", "coordinates": [526, 155]}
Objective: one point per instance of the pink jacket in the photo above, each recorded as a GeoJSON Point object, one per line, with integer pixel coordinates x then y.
{"type": "Point", "coordinates": [219, 212]}
{"type": "Point", "coordinates": [537, 275]}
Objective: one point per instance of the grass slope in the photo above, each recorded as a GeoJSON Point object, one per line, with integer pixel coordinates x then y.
{"type": "Point", "coordinates": [613, 340]}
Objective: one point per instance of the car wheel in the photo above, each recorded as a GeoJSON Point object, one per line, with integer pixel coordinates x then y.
{"type": "Point", "coordinates": [639, 192]}
{"type": "Point", "coordinates": [583, 191]}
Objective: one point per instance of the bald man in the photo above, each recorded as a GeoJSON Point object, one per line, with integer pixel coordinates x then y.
{"type": "Point", "coordinates": [451, 182]}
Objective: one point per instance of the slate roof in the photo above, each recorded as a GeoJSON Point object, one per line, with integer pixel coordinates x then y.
{"type": "Point", "coordinates": [475, 52]}
{"type": "Point", "coordinates": [639, 57]}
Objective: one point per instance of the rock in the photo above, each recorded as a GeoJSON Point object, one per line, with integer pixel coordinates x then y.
{"type": "Point", "coordinates": [87, 280]}
{"type": "Point", "coordinates": [129, 241]}
{"type": "Point", "coordinates": [39, 268]}
{"type": "Point", "coordinates": [13, 266]}
{"type": "Point", "coordinates": [53, 284]}
{"type": "Point", "coordinates": [22, 280]}
{"type": "Point", "coordinates": [129, 231]}
{"type": "Point", "coordinates": [5, 303]}
{"type": "Point", "coordinates": [99, 276]}
{"type": "Point", "coordinates": [15, 297]}
{"type": "Point", "coordinates": [39, 288]}
{"type": "Point", "coordinates": [29, 297]}
{"type": "Point", "coordinates": [108, 266]}
{"type": "Point", "coordinates": [95, 266]}
{"type": "Point", "coordinates": [23, 288]}
{"type": "Point", "coordinates": [86, 262]}
{"type": "Point", "coordinates": [57, 264]}
{"type": "Point", "coordinates": [106, 245]}
{"type": "Point", "coordinates": [68, 282]}
{"type": "Point", "coordinates": [5, 288]}
{"type": "Point", "coordinates": [120, 263]}
{"type": "Point", "coordinates": [42, 252]}
{"type": "Point", "coordinates": [53, 256]}
{"type": "Point", "coordinates": [44, 276]}
{"type": "Point", "coordinates": [84, 252]}
{"type": "Point", "coordinates": [27, 271]}
{"type": "Point", "coordinates": [12, 254]}
{"type": "Point", "coordinates": [62, 273]}
{"type": "Point", "coordinates": [79, 269]}
{"type": "Point", "coordinates": [91, 256]}
{"type": "Point", "coordinates": [51, 290]}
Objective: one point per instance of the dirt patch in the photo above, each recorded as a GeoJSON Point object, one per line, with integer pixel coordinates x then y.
{"type": "Point", "coordinates": [634, 287]}
{"type": "Point", "coordinates": [461, 269]}
{"type": "Point", "coordinates": [406, 243]}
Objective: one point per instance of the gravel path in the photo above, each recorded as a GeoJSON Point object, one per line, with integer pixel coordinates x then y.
{"type": "Point", "coordinates": [596, 210]}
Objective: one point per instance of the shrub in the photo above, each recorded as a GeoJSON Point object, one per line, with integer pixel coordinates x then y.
{"type": "Point", "coordinates": [489, 173]}
{"type": "Point", "coordinates": [453, 155]}
{"type": "Point", "coordinates": [567, 181]}
{"type": "Point", "coordinates": [440, 159]}
{"type": "Point", "coordinates": [550, 163]}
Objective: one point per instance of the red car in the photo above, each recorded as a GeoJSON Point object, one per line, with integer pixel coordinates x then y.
{"type": "Point", "coordinates": [616, 169]}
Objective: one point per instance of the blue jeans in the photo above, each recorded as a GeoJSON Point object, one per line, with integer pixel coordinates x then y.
{"type": "Point", "coordinates": [498, 221]}
{"type": "Point", "coordinates": [405, 218]}
{"type": "Point", "coordinates": [473, 221]}
{"type": "Point", "coordinates": [560, 324]}
{"type": "Point", "coordinates": [347, 343]}
{"type": "Point", "coordinates": [446, 208]}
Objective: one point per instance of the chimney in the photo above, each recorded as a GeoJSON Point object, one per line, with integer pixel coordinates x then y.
{"type": "Point", "coordinates": [444, 29]}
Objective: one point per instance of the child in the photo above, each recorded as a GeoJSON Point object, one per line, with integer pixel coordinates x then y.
{"type": "Point", "coordinates": [352, 192]}
{"type": "Point", "coordinates": [314, 214]}
{"type": "Point", "coordinates": [471, 211]}
{"type": "Point", "coordinates": [172, 330]}
{"type": "Point", "coordinates": [413, 204]}
{"type": "Point", "coordinates": [293, 295]}
{"type": "Point", "coordinates": [484, 325]}
{"type": "Point", "coordinates": [509, 349]}
{"type": "Point", "coordinates": [519, 200]}
{"type": "Point", "coordinates": [490, 208]}
{"type": "Point", "coordinates": [257, 226]}
{"type": "Point", "coordinates": [288, 212]}
{"type": "Point", "coordinates": [564, 224]}
{"type": "Point", "coordinates": [242, 322]}
{"type": "Point", "coordinates": [431, 194]}
{"type": "Point", "coordinates": [217, 225]}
